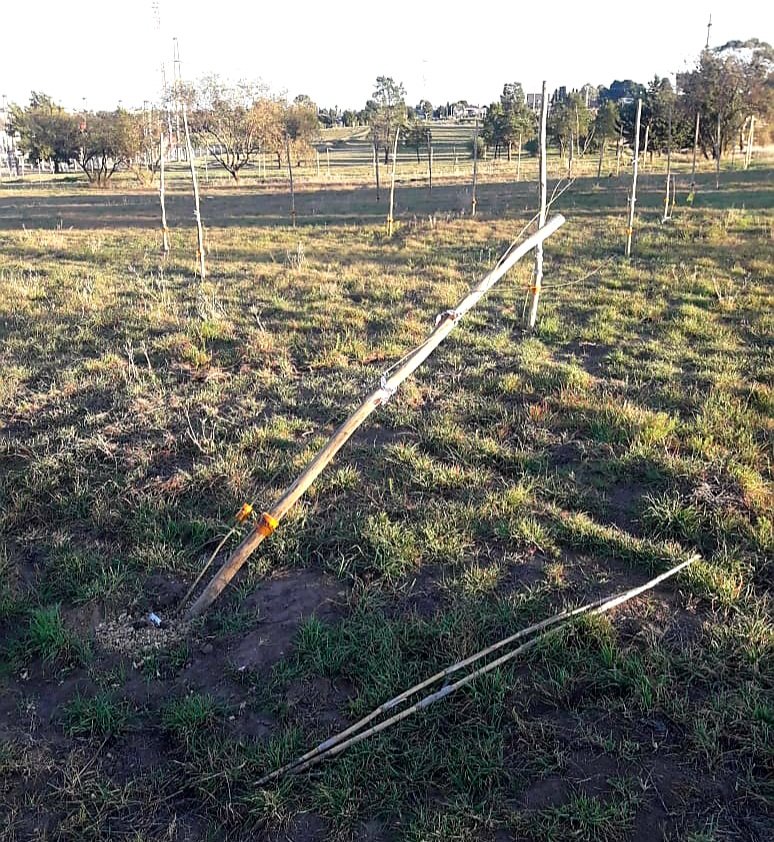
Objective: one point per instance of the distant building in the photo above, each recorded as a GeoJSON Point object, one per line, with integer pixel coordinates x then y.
{"type": "Point", "coordinates": [534, 101]}
{"type": "Point", "coordinates": [469, 112]}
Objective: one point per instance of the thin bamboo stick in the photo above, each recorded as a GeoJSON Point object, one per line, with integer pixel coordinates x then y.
{"type": "Point", "coordinates": [475, 170]}
{"type": "Point", "coordinates": [633, 197]}
{"type": "Point", "coordinates": [195, 183]}
{"type": "Point", "coordinates": [390, 218]}
{"type": "Point", "coordinates": [292, 187]}
{"type": "Point", "coordinates": [338, 743]}
{"type": "Point", "coordinates": [669, 165]}
{"type": "Point", "coordinates": [538, 280]}
{"type": "Point", "coordinates": [445, 324]}
{"type": "Point", "coordinates": [162, 202]}
{"type": "Point", "coordinates": [695, 147]}
{"type": "Point", "coordinates": [750, 137]}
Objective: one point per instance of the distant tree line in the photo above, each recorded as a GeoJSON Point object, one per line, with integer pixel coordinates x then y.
{"type": "Point", "coordinates": [238, 121]}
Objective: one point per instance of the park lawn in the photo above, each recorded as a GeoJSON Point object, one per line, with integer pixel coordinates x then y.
{"type": "Point", "coordinates": [513, 475]}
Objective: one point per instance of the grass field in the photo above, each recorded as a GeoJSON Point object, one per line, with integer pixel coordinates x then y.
{"type": "Point", "coordinates": [514, 475]}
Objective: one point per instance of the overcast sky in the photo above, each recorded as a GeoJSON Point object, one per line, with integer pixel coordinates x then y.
{"type": "Point", "coordinates": [332, 51]}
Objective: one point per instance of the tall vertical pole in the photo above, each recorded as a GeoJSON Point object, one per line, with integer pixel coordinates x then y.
{"type": "Point", "coordinates": [475, 169]}
{"type": "Point", "coordinates": [695, 148]}
{"type": "Point", "coordinates": [162, 202]}
{"type": "Point", "coordinates": [518, 159]}
{"type": "Point", "coordinates": [748, 151]}
{"type": "Point", "coordinates": [538, 281]}
{"type": "Point", "coordinates": [292, 188]}
{"type": "Point", "coordinates": [430, 160]}
{"type": "Point", "coordinates": [717, 154]}
{"type": "Point", "coordinates": [390, 220]}
{"type": "Point", "coordinates": [669, 164]}
{"type": "Point", "coordinates": [376, 168]}
{"type": "Point", "coordinates": [633, 197]}
{"type": "Point", "coordinates": [618, 153]}
{"type": "Point", "coordinates": [195, 183]}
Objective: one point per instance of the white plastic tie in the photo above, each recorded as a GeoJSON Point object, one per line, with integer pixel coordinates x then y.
{"type": "Point", "coordinates": [452, 314]}
{"type": "Point", "coordinates": [385, 387]}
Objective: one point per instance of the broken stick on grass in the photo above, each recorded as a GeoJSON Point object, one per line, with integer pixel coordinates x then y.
{"type": "Point", "coordinates": [343, 740]}
{"type": "Point", "coordinates": [445, 324]}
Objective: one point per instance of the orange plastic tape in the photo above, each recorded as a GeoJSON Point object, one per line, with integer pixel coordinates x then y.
{"type": "Point", "coordinates": [244, 513]}
{"type": "Point", "coordinates": [266, 525]}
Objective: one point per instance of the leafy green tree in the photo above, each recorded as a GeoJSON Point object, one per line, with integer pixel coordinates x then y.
{"type": "Point", "coordinates": [570, 124]}
{"type": "Point", "coordinates": [425, 109]}
{"type": "Point", "coordinates": [385, 112]}
{"type": "Point", "coordinates": [417, 136]}
{"type": "Point", "coordinates": [108, 141]}
{"type": "Point", "coordinates": [46, 131]}
{"type": "Point", "coordinates": [726, 88]}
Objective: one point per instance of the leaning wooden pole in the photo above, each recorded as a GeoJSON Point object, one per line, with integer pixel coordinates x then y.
{"type": "Point", "coordinates": [633, 197]}
{"type": "Point", "coordinates": [195, 183]}
{"type": "Point", "coordinates": [445, 324]}
{"type": "Point", "coordinates": [669, 166]}
{"type": "Point", "coordinates": [538, 280]}
{"type": "Point", "coordinates": [162, 199]}
{"type": "Point", "coordinates": [390, 217]}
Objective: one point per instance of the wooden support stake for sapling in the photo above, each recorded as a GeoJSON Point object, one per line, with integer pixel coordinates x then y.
{"type": "Point", "coordinates": [292, 188]}
{"type": "Point", "coordinates": [446, 322]}
{"type": "Point", "coordinates": [390, 218]}
{"type": "Point", "coordinates": [195, 183]}
{"type": "Point", "coordinates": [717, 155]}
{"type": "Point", "coordinates": [543, 176]}
{"type": "Point", "coordinates": [633, 197]}
{"type": "Point", "coordinates": [328, 159]}
{"type": "Point", "coordinates": [475, 169]}
{"type": "Point", "coordinates": [518, 159]}
{"type": "Point", "coordinates": [618, 152]}
{"type": "Point", "coordinates": [162, 202]}
{"type": "Point", "coordinates": [430, 161]}
{"type": "Point", "coordinates": [376, 169]}
{"type": "Point", "coordinates": [748, 151]}
{"type": "Point", "coordinates": [669, 166]}
{"type": "Point", "coordinates": [695, 147]}
{"type": "Point", "coordinates": [317, 154]}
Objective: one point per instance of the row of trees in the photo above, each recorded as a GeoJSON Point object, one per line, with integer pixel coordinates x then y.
{"type": "Point", "coordinates": [235, 122]}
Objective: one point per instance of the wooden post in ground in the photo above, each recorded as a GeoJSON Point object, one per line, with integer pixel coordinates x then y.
{"type": "Point", "coordinates": [317, 154]}
{"type": "Point", "coordinates": [748, 151]}
{"type": "Point", "coordinates": [633, 197]}
{"type": "Point", "coordinates": [518, 159]}
{"type": "Point", "coordinates": [645, 144]}
{"type": "Point", "coordinates": [195, 183]}
{"type": "Point", "coordinates": [292, 187]}
{"type": "Point", "coordinates": [430, 161]}
{"type": "Point", "coordinates": [618, 153]}
{"type": "Point", "coordinates": [543, 177]}
{"type": "Point", "coordinates": [601, 157]}
{"type": "Point", "coordinates": [328, 159]}
{"type": "Point", "coordinates": [162, 202]}
{"type": "Point", "coordinates": [390, 219]}
{"type": "Point", "coordinates": [695, 148]}
{"type": "Point", "coordinates": [669, 165]}
{"type": "Point", "coordinates": [376, 170]}
{"type": "Point", "coordinates": [475, 170]}
{"type": "Point", "coordinates": [444, 325]}
{"type": "Point", "coordinates": [717, 155]}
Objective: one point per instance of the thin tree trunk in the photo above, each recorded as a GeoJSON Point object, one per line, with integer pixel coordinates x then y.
{"type": "Point", "coordinates": [543, 178]}
{"type": "Point", "coordinates": [645, 144]}
{"type": "Point", "coordinates": [164, 229]}
{"type": "Point", "coordinates": [695, 148]}
{"type": "Point", "coordinates": [618, 153]}
{"type": "Point", "coordinates": [195, 183]}
{"type": "Point", "coordinates": [390, 219]}
{"type": "Point", "coordinates": [292, 186]}
{"type": "Point", "coordinates": [601, 156]}
{"type": "Point", "coordinates": [475, 169]}
{"type": "Point", "coordinates": [633, 197]}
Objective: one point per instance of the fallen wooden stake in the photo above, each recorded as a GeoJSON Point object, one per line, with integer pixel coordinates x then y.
{"type": "Point", "coordinates": [445, 324]}
{"type": "Point", "coordinates": [343, 740]}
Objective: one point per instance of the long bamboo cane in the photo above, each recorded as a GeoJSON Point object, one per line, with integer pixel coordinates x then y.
{"type": "Point", "coordinates": [162, 201]}
{"type": "Point", "coordinates": [195, 183]}
{"type": "Point", "coordinates": [335, 745]}
{"type": "Point", "coordinates": [390, 215]}
{"type": "Point", "coordinates": [538, 279]}
{"type": "Point", "coordinates": [635, 164]}
{"type": "Point", "coordinates": [445, 324]}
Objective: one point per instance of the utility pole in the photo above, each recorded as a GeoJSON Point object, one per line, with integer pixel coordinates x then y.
{"type": "Point", "coordinates": [709, 27]}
